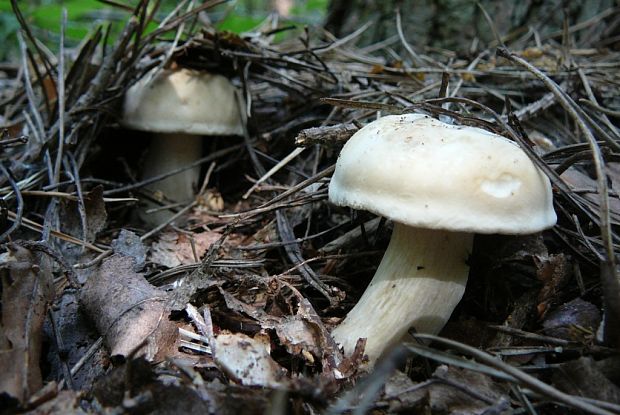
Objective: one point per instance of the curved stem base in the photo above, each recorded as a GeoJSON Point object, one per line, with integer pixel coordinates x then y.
{"type": "Point", "coordinates": [419, 282]}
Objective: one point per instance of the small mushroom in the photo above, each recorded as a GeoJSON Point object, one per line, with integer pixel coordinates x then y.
{"type": "Point", "coordinates": [439, 184]}
{"type": "Point", "coordinates": [179, 106]}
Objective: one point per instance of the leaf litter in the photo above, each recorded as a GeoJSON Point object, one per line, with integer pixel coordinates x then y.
{"type": "Point", "coordinates": [228, 307]}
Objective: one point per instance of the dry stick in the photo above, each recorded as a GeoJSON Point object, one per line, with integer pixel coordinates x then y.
{"type": "Point", "coordinates": [294, 253]}
{"type": "Point", "coordinates": [80, 196]}
{"type": "Point", "coordinates": [326, 172]}
{"type": "Point", "coordinates": [27, 223]}
{"type": "Point", "coordinates": [310, 51]}
{"type": "Point", "coordinates": [489, 20]}
{"type": "Point", "coordinates": [297, 151]}
{"type": "Point", "coordinates": [286, 232]}
{"type": "Point", "coordinates": [61, 97]}
{"type": "Point", "coordinates": [613, 113]}
{"type": "Point", "coordinates": [74, 198]}
{"type": "Point", "coordinates": [399, 28]}
{"type": "Point", "coordinates": [584, 24]}
{"type": "Point", "coordinates": [151, 75]}
{"type": "Point", "coordinates": [598, 129]}
{"type": "Point", "coordinates": [60, 349]}
{"type": "Point", "coordinates": [531, 382]}
{"type": "Point", "coordinates": [51, 215]}
{"type": "Point", "coordinates": [535, 107]}
{"type": "Point", "coordinates": [150, 38]}
{"type": "Point", "coordinates": [169, 221]}
{"type": "Point", "coordinates": [336, 43]}
{"type": "Point", "coordinates": [609, 277]}
{"type": "Point", "coordinates": [24, 26]}
{"type": "Point", "coordinates": [325, 136]}
{"type": "Point", "coordinates": [101, 79]}
{"type": "Point", "coordinates": [592, 97]}
{"type": "Point", "coordinates": [80, 363]}
{"type": "Point", "coordinates": [45, 248]}
{"type": "Point", "coordinates": [20, 202]}
{"type": "Point", "coordinates": [28, 87]}
{"type": "Point", "coordinates": [302, 200]}
{"type": "Point", "coordinates": [347, 103]}
{"type": "Point", "coordinates": [162, 176]}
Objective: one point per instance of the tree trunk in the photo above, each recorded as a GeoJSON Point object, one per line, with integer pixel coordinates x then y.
{"type": "Point", "coordinates": [454, 24]}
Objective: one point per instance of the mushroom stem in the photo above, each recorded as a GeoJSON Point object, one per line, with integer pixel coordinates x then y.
{"type": "Point", "coordinates": [420, 280]}
{"type": "Point", "coordinates": [167, 152]}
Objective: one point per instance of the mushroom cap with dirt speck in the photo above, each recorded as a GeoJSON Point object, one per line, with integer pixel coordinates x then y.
{"type": "Point", "coordinates": [183, 101]}
{"type": "Point", "coordinates": [422, 172]}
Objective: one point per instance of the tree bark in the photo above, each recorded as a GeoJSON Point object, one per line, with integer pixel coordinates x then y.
{"type": "Point", "coordinates": [454, 24]}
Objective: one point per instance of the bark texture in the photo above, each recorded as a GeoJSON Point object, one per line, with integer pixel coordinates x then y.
{"type": "Point", "coordinates": [453, 24]}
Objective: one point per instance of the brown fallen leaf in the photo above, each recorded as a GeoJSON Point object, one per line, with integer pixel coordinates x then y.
{"type": "Point", "coordinates": [96, 215]}
{"type": "Point", "coordinates": [247, 360]}
{"type": "Point", "coordinates": [129, 244]}
{"type": "Point", "coordinates": [581, 377]}
{"type": "Point", "coordinates": [27, 293]}
{"type": "Point", "coordinates": [449, 391]}
{"type": "Point", "coordinates": [554, 271]}
{"type": "Point", "coordinates": [460, 391]}
{"type": "Point", "coordinates": [299, 338]}
{"type": "Point", "coordinates": [401, 394]}
{"type": "Point", "coordinates": [302, 334]}
{"type": "Point", "coordinates": [128, 311]}
{"type": "Point", "coordinates": [576, 320]}
{"type": "Point", "coordinates": [175, 248]}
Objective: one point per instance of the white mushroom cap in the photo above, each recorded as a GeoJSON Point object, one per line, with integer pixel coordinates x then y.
{"type": "Point", "coordinates": [422, 172]}
{"type": "Point", "coordinates": [183, 101]}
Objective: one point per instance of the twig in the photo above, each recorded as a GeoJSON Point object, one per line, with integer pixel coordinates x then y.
{"type": "Point", "coordinates": [153, 179]}
{"type": "Point", "coordinates": [609, 277]}
{"type": "Point", "coordinates": [325, 136]}
{"type": "Point", "coordinates": [68, 238]}
{"type": "Point", "coordinates": [528, 380]}
{"type": "Point", "coordinates": [596, 106]}
{"type": "Point", "coordinates": [45, 248]}
{"type": "Point", "coordinates": [274, 170]}
{"type": "Point", "coordinates": [17, 221]}
{"type": "Point", "coordinates": [61, 97]}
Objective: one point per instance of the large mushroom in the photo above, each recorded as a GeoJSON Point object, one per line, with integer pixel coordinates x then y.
{"type": "Point", "coordinates": [439, 184]}
{"type": "Point", "coordinates": [179, 106]}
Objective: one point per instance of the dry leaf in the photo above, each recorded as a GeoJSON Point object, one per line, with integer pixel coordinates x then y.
{"type": "Point", "coordinates": [27, 293]}
{"type": "Point", "coordinates": [174, 249]}
{"type": "Point", "coordinates": [129, 244]}
{"type": "Point", "coordinates": [578, 181]}
{"type": "Point", "coordinates": [96, 215]}
{"type": "Point", "coordinates": [247, 360]}
{"type": "Point", "coordinates": [299, 338]}
{"type": "Point", "coordinates": [554, 272]}
{"type": "Point", "coordinates": [450, 394]}
{"type": "Point", "coordinates": [127, 310]}
{"type": "Point", "coordinates": [576, 321]}
{"type": "Point", "coordinates": [581, 377]}
{"type": "Point", "coordinates": [402, 394]}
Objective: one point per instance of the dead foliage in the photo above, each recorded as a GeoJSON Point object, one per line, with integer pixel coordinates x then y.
{"type": "Point", "coordinates": [228, 307]}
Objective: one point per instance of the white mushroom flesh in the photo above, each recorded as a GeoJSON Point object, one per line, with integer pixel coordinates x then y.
{"type": "Point", "coordinates": [419, 282]}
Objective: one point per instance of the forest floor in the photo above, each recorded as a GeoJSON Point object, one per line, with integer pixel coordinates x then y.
{"type": "Point", "coordinates": [227, 306]}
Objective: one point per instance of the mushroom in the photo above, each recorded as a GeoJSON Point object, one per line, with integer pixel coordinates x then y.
{"type": "Point", "coordinates": [179, 106]}
{"type": "Point", "coordinates": [439, 184]}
